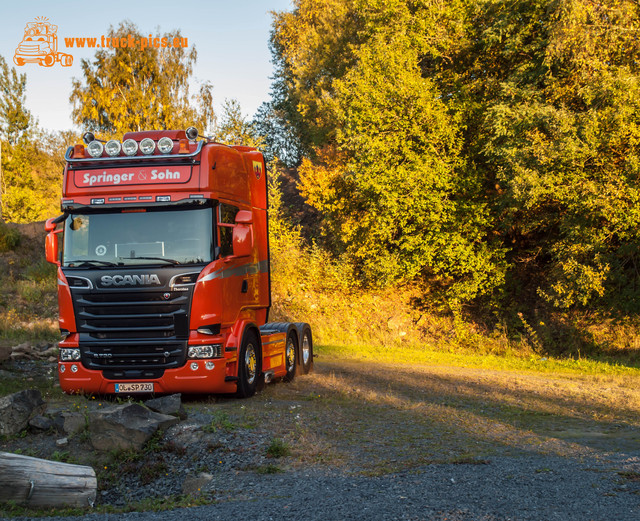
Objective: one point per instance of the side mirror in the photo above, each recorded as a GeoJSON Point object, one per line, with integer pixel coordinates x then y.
{"type": "Point", "coordinates": [242, 240]}
{"type": "Point", "coordinates": [51, 248]}
{"type": "Point", "coordinates": [51, 242]}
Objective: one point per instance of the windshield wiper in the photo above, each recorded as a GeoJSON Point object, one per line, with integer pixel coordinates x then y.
{"type": "Point", "coordinates": [83, 263]}
{"type": "Point", "coordinates": [169, 261]}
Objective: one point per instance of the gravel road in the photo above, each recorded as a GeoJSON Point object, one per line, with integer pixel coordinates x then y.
{"type": "Point", "coordinates": [408, 443]}
{"type": "Point", "coordinates": [529, 487]}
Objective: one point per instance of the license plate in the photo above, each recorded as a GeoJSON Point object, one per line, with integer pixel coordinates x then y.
{"type": "Point", "coordinates": [145, 387]}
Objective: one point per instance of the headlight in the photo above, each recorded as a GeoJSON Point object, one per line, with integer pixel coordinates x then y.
{"type": "Point", "coordinates": [165, 145]}
{"type": "Point", "coordinates": [113, 147]}
{"type": "Point", "coordinates": [208, 351]}
{"type": "Point", "coordinates": [69, 355]}
{"type": "Point", "coordinates": [95, 148]}
{"type": "Point", "coordinates": [130, 147]}
{"type": "Point", "coordinates": [147, 146]}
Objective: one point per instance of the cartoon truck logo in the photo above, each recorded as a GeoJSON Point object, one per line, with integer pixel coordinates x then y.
{"type": "Point", "coordinates": [40, 45]}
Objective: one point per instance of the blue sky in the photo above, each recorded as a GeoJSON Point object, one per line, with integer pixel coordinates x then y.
{"type": "Point", "coordinates": [231, 38]}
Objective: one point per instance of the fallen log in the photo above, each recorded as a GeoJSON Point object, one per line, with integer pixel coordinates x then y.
{"type": "Point", "coordinates": [35, 482]}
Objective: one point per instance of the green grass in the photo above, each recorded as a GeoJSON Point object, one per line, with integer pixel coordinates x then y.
{"type": "Point", "coordinates": [514, 362]}
{"type": "Point", "coordinates": [278, 448]}
{"type": "Point", "coordinates": [220, 421]}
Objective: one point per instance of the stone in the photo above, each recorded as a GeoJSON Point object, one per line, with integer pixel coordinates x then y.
{"type": "Point", "coordinates": [171, 405]}
{"type": "Point", "coordinates": [126, 426]}
{"type": "Point", "coordinates": [70, 422]}
{"type": "Point", "coordinates": [5, 352]}
{"type": "Point", "coordinates": [17, 409]}
{"type": "Point", "coordinates": [41, 423]}
{"type": "Point", "coordinates": [193, 485]}
{"type": "Point", "coordinates": [62, 442]}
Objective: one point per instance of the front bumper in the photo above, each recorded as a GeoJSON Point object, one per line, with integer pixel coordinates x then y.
{"type": "Point", "coordinates": [180, 380]}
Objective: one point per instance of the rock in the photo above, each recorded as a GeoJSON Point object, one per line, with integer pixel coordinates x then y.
{"type": "Point", "coordinates": [70, 422]}
{"type": "Point", "coordinates": [22, 348]}
{"type": "Point", "coordinates": [41, 423]}
{"type": "Point", "coordinates": [16, 410]}
{"type": "Point", "coordinates": [5, 353]}
{"type": "Point", "coordinates": [185, 435]}
{"type": "Point", "coordinates": [193, 485]}
{"type": "Point", "coordinates": [171, 405]}
{"type": "Point", "coordinates": [126, 426]}
{"type": "Point", "coordinates": [62, 442]}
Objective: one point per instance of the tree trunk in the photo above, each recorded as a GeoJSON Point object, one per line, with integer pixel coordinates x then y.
{"type": "Point", "coordinates": [41, 483]}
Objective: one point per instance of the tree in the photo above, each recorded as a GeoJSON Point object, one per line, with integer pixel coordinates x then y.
{"type": "Point", "coordinates": [132, 89]}
{"type": "Point", "coordinates": [234, 129]}
{"type": "Point", "coordinates": [385, 172]}
{"type": "Point", "coordinates": [556, 131]}
{"type": "Point", "coordinates": [15, 119]}
{"type": "Point", "coordinates": [472, 142]}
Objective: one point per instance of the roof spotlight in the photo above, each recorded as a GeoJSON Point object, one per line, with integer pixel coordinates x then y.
{"type": "Point", "coordinates": [192, 133]}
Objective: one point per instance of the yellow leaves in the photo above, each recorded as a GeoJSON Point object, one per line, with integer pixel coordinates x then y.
{"type": "Point", "coordinates": [128, 89]}
{"type": "Point", "coordinates": [320, 180]}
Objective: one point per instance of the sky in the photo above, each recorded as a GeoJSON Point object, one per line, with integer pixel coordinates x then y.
{"type": "Point", "coordinates": [230, 36]}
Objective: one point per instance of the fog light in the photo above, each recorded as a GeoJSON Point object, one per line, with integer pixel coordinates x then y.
{"type": "Point", "coordinates": [130, 147]}
{"type": "Point", "coordinates": [69, 355]}
{"type": "Point", "coordinates": [147, 146]}
{"type": "Point", "coordinates": [194, 366]}
{"type": "Point", "coordinates": [95, 148]}
{"type": "Point", "coordinates": [62, 368]}
{"type": "Point", "coordinates": [165, 145]}
{"type": "Point", "coordinates": [113, 147]}
{"type": "Point", "coordinates": [74, 368]}
{"type": "Point", "coordinates": [209, 365]}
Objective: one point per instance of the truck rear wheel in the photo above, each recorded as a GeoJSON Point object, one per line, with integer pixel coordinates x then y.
{"type": "Point", "coordinates": [249, 366]}
{"type": "Point", "coordinates": [306, 348]}
{"type": "Point", "coordinates": [291, 355]}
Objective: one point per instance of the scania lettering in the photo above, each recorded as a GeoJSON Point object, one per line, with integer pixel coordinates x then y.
{"type": "Point", "coordinates": [132, 280]}
{"type": "Point", "coordinates": [163, 270]}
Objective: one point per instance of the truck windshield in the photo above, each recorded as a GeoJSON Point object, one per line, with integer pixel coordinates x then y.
{"type": "Point", "coordinates": [136, 237]}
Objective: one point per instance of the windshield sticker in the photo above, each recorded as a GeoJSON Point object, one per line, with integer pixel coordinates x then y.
{"type": "Point", "coordinates": [101, 250]}
{"type": "Point", "coordinates": [132, 176]}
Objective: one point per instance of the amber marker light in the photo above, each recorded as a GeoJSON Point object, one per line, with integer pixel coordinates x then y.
{"type": "Point", "coordinates": [78, 151]}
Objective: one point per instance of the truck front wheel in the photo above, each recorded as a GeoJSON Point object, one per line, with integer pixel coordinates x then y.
{"type": "Point", "coordinates": [249, 365]}
{"type": "Point", "coordinates": [290, 355]}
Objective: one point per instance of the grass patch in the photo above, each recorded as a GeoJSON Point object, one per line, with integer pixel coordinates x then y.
{"type": "Point", "coordinates": [278, 448]}
{"type": "Point", "coordinates": [268, 469]}
{"type": "Point", "coordinates": [429, 355]}
{"type": "Point", "coordinates": [220, 421]}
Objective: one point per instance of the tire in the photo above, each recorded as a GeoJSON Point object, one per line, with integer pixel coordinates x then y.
{"type": "Point", "coordinates": [291, 355]}
{"type": "Point", "coordinates": [48, 60]}
{"type": "Point", "coordinates": [306, 348]}
{"type": "Point", "coordinates": [66, 60]}
{"type": "Point", "coordinates": [249, 365]}
{"type": "Point", "coordinates": [18, 61]}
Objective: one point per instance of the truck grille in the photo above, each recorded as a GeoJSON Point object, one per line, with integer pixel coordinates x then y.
{"type": "Point", "coordinates": [133, 315]}
{"type": "Point", "coordinates": [134, 334]}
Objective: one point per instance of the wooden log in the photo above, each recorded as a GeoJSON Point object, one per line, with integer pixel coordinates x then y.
{"type": "Point", "coordinates": [35, 482]}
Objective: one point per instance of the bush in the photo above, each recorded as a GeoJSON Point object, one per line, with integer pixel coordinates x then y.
{"type": "Point", "coordinates": [9, 238]}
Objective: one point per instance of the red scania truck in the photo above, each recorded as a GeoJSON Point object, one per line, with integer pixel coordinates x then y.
{"type": "Point", "coordinates": [163, 269]}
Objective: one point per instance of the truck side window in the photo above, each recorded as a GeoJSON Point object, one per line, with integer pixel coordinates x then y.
{"type": "Point", "coordinates": [226, 216]}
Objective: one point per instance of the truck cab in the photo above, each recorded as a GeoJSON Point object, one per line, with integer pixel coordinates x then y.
{"type": "Point", "coordinates": [163, 269]}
